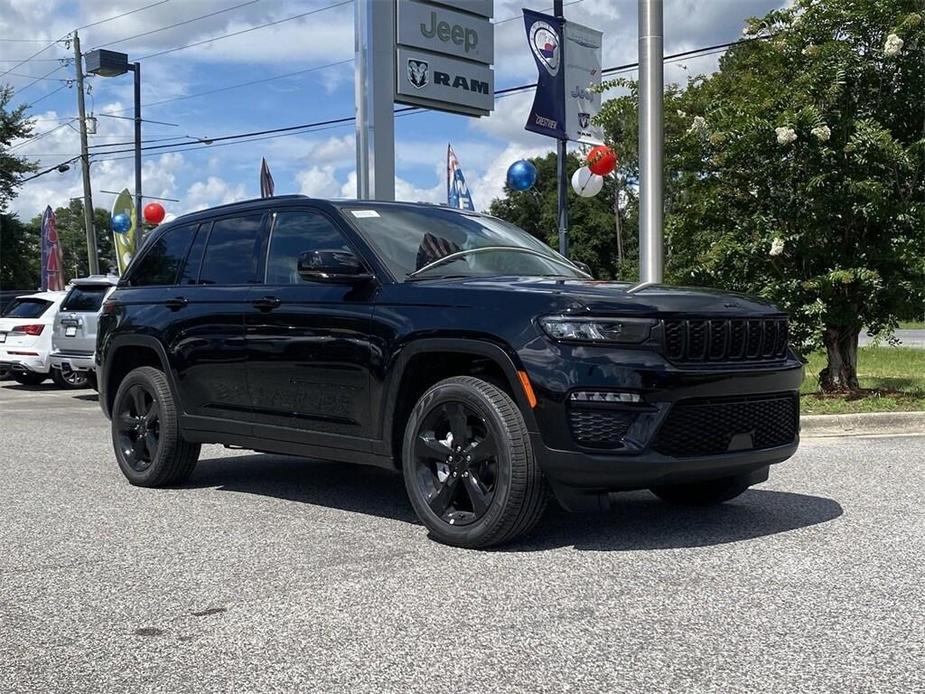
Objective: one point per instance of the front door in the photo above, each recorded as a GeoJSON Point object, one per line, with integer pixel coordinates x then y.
{"type": "Point", "coordinates": [308, 346]}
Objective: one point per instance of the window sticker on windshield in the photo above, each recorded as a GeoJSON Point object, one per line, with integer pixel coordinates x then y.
{"type": "Point", "coordinates": [364, 213]}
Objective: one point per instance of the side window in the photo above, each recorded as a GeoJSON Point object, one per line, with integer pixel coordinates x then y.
{"type": "Point", "coordinates": [190, 274]}
{"type": "Point", "coordinates": [161, 262]}
{"type": "Point", "coordinates": [295, 233]}
{"type": "Point", "coordinates": [233, 251]}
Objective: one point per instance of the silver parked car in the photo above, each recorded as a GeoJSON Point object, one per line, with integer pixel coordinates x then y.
{"type": "Point", "coordinates": [74, 336]}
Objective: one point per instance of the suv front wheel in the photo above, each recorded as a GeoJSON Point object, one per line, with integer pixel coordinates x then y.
{"type": "Point", "coordinates": [469, 467]}
{"type": "Point", "coordinates": [146, 432]}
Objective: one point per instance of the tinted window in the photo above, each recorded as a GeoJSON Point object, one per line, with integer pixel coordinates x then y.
{"type": "Point", "coordinates": [190, 273]}
{"type": "Point", "coordinates": [162, 261]}
{"type": "Point", "coordinates": [295, 233]}
{"type": "Point", "coordinates": [26, 308]}
{"type": "Point", "coordinates": [233, 251]}
{"type": "Point", "coordinates": [85, 297]}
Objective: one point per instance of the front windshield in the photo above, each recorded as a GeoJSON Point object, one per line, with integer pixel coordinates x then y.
{"type": "Point", "coordinates": [410, 238]}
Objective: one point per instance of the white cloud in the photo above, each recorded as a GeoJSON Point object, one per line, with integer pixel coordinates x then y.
{"type": "Point", "coordinates": [213, 191]}
{"type": "Point", "coordinates": [318, 182]}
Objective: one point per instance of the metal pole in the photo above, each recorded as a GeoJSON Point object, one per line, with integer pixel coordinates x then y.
{"type": "Point", "coordinates": [651, 140]}
{"type": "Point", "coordinates": [375, 99]}
{"type": "Point", "coordinates": [561, 155]}
{"type": "Point", "coordinates": [136, 68]}
{"type": "Point", "coordinates": [92, 256]}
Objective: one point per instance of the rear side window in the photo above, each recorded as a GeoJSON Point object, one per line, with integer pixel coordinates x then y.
{"type": "Point", "coordinates": [26, 308]}
{"type": "Point", "coordinates": [162, 261]}
{"type": "Point", "coordinates": [233, 251]}
{"type": "Point", "coordinates": [85, 297]}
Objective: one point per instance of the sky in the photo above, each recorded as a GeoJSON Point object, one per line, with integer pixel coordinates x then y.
{"type": "Point", "coordinates": [298, 69]}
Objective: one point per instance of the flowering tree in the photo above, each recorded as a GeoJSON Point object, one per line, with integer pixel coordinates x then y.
{"type": "Point", "coordinates": [797, 171]}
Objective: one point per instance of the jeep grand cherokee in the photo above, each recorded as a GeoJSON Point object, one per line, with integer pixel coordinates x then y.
{"type": "Point", "coordinates": [448, 345]}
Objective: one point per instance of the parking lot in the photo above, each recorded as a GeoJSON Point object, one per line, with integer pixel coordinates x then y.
{"type": "Point", "coordinates": [268, 573]}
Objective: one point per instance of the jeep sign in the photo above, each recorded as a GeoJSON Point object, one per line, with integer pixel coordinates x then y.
{"type": "Point", "coordinates": [439, 29]}
{"type": "Point", "coordinates": [444, 55]}
{"type": "Point", "coordinates": [437, 81]}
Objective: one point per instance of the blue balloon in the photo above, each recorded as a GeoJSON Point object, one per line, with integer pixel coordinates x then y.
{"type": "Point", "coordinates": [121, 223]}
{"type": "Point", "coordinates": [521, 175]}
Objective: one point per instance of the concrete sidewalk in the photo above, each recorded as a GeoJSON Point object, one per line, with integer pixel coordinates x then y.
{"type": "Point", "coordinates": [861, 424]}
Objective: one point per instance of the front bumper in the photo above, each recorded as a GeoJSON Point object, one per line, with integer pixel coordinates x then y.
{"type": "Point", "coordinates": [739, 404]}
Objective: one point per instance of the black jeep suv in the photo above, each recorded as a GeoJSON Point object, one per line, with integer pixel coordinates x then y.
{"type": "Point", "coordinates": [446, 344]}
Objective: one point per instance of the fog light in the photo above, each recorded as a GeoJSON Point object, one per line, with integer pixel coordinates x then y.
{"type": "Point", "coordinates": [603, 396]}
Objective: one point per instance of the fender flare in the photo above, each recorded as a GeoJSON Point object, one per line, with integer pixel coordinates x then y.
{"type": "Point", "coordinates": [483, 348]}
{"type": "Point", "coordinates": [126, 341]}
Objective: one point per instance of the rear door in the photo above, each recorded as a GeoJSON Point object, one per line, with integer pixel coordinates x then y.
{"type": "Point", "coordinates": [76, 322]}
{"type": "Point", "coordinates": [206, 338]}
{"type": "Point", "coordinates": [308, 343]}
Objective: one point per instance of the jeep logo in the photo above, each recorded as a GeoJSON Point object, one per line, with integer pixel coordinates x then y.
{"type": "Point", "coordinates": [444, 31]}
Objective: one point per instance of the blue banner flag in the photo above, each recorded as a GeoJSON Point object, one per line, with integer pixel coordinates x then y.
{"type": "Point", "coordinates": [544, 35]}
{"type": "Point", "coordinates": [457, 192]}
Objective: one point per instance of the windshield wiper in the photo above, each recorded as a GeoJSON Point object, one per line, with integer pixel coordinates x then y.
{"type": "Point", "coordinates": [484, 249]}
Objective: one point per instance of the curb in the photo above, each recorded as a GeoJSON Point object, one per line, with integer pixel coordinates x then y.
{"type": "Point", "coordinates": [862, 424]}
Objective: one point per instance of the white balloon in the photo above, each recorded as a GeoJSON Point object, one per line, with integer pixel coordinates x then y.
{"type": "Point", "coordinates": [585, 183]}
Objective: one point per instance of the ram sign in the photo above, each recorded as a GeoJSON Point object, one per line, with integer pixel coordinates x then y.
{"type": "Point", "coordinates": [444, 56]}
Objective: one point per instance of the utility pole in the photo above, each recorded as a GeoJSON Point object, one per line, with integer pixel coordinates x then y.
{"type": "Point", "coordinates": [616, 214]}
{"type": "Point", "coordinates": [139, 222]}
{"type": "Point", "coordinates": [651, 140]}
{"type": "Point", "coordinates": [561, 154]}
{"type": "Point", "coordinates": [92, 256]}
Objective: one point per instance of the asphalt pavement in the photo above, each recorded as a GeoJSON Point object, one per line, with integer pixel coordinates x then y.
{"type": "Point", "coordinates": [268, 574]}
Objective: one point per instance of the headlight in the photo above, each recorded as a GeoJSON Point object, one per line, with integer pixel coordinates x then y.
{"type": "Point", "coordinates": [582, 329]}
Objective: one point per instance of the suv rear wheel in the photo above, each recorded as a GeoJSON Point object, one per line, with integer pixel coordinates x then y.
{"type": "Point", "coordinates": [704, 493]}
{"type": "Point", "coordinates": [469, 467]}
{"type": "Point", "coordinates": [146, 432]}
{"type": "Point", "coordinates": [29, 378]}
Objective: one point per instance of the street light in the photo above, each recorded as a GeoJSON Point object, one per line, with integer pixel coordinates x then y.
{"type": "Point", "coordinates": [112, 64]}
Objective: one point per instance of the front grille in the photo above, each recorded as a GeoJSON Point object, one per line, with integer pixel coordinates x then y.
{"type": "Point", "coordinates": [725, 339]}
{"type": "Point", "coordinates": [599, 428]}
{"type": "Point", "coordinates": [711, 427]}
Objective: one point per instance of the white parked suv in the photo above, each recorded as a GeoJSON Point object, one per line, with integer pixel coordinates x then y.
{"type": "Point", "coordinates": [25, 336]}
{"type": "Point", "coordinates": [74, 336]}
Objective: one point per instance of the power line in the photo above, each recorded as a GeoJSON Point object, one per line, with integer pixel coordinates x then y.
{"type": "Point", "coordinates": [51, 93]}
{"type": "Point", "coordinates": [64, 63]}
{"type": "Point", "coordinates": [243, 84]}
{"type": "Point", "coordinates": [123, 14]}
{"type": "Point", "coordinates": [245, 31]}
{"type": "Point", "coordinates": [547, 9]}
{"type": "Point", "coordinates": [178, 24]}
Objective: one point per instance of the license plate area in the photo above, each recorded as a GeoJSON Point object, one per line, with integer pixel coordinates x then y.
{"type": "Point", "coordinates": [70, 331]}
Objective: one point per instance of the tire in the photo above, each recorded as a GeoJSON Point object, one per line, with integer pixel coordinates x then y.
{"type": "Point", "coordinates": [706, 493]}
{"type": "Point", "coordinates": [72, 380]}
{"type": "Point", "coordinates": [466, 496]}
{"type": "Point", "coordinates": [146, 432]}
{"type": "Point", "coordinates": [29, 378]}
{"type": "Point", "coordinates": [92, 382]}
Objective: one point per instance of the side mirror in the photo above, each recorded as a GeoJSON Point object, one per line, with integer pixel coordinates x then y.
{"type": "Point", "coordinates": [584, 267]}
{"type": "Point", "coordinates": [332, 266]}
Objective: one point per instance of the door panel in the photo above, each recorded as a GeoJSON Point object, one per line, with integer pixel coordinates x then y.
{"type": "Point", "coordinates": [309, 348]}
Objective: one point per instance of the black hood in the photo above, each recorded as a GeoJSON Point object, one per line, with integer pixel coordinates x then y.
{"type": "Point", "coordinates": [610, 297]}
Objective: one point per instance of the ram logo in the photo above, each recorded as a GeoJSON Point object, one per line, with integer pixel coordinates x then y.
{"type": "Point", "coordinates": [417, 73]}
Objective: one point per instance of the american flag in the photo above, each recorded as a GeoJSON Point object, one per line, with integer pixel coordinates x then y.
{"type": "Point", "coordinates": [266, 180]}
{"type": "Point", "coordinates": [457, 192]}
{"type": "Point", "coordinates": [433, 248]}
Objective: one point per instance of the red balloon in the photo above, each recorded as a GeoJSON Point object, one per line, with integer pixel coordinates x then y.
{"type": "Point", "coordinates": [154, 213]}
{"type": "Point", "coordinates": [602, 160]}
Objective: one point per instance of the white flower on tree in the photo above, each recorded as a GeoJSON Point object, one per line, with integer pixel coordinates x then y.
{"type": "Point", "coordinates": [822, 133]}
{"type": "Point", "coordinates": [785, 135]}
{"type": "Point", "coordinates": [777, 247]}
{"type": "Point", "coordinates": [893, 45]}
{"type": "Point", "coordinates": [699, 125]}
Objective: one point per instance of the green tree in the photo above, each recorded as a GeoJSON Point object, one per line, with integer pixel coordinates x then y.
{"type": "Point", "coordinates": [592, 222]}
{"type": "Point", "coordinates": [13, 125]}
{"type": "Point", "coordinates": [797, 171]}
{"type": "Point", "coordinates": [20, 254]}
{"type": "Point", "coordinates": [73, 238]}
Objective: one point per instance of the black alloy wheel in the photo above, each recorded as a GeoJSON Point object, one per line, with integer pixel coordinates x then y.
{"type": "Point", "coordinates": [71, 380]}
{"type": "Point", "coordinates": [146, 436]}
{"type": "Point", "coordinates": [469, 467]}
{"type": "Point", "coordinates": [456, 464]}
{"type": "Point", "coordinates": [138, 424]}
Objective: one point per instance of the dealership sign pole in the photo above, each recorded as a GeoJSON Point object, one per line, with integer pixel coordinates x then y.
{"type": "Point", "coordinates": [651, 140]}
